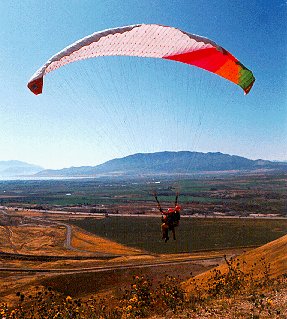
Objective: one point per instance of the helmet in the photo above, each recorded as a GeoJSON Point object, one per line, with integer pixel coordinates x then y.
{"type": "Point", "coordinates": [177, 208]}
{"type": "Point", "coordinates": [170, 210]}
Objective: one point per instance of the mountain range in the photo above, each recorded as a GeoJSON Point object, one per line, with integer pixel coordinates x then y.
{"type": "Point", "coordinates": [17, 169]}
{"type": "Point", "coordinates": [156, 164]}
{"type": "Point", "coordinates": [167, 163]}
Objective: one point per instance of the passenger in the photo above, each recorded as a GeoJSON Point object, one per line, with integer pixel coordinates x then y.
{"type": "Point", "coordinates": [176, 215]}
{"type": "Point", "coordinates": [170, 218]}
{"type": "Point", "coordinates": [167, 223]}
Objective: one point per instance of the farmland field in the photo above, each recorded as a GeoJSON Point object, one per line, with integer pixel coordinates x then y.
{"type": "Point", "coordinates": [240, 195]}
{"type": "Point", "coordinates": [193, 234]}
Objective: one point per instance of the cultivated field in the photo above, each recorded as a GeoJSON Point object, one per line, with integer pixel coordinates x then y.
{"type": "Point", "coordinates": [215, 195]}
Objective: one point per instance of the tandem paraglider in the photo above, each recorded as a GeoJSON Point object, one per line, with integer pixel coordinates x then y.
{"type": "Point", "coordinates": [151, 41]}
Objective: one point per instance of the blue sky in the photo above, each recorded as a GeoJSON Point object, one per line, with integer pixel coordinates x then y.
{"type": "Point", "coordinates": [93, 111]}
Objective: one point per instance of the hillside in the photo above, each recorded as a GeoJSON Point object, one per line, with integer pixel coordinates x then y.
{"type": "Point", "coordinates": [101, 293]}
{"type": "Point", "coordinates": [171, 163]}
{"type": "Point", "coordinates": [273, 254]}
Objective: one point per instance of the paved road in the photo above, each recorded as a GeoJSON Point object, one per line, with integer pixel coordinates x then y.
{"type": "Point", "coordinates": [68, 227]}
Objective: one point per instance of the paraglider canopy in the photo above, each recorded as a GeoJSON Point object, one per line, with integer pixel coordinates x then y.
{"type": "Point", "coordinates": [154, 41]}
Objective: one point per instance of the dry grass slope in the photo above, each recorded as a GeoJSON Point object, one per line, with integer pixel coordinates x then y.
{"type": "Point", "coordinates": [50, 240]}
{"type": "Point", "coordinates": [273, 253]}
{"type": "Point", "coordinates": [33, 240]}
{"type": "Point", "coordinates": [92, 243]}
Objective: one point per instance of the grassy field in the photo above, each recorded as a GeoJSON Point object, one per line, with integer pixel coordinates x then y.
{"type": "Point", "coordinates": [193, 233]}
{"type": "Point", "coordinates": [245, 194]}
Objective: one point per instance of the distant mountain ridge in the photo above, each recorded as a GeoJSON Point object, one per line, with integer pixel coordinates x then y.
{"type": "Point", "coordinates": [168, 163]}
{"type": "Point", "coordinates": [18, 168]}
